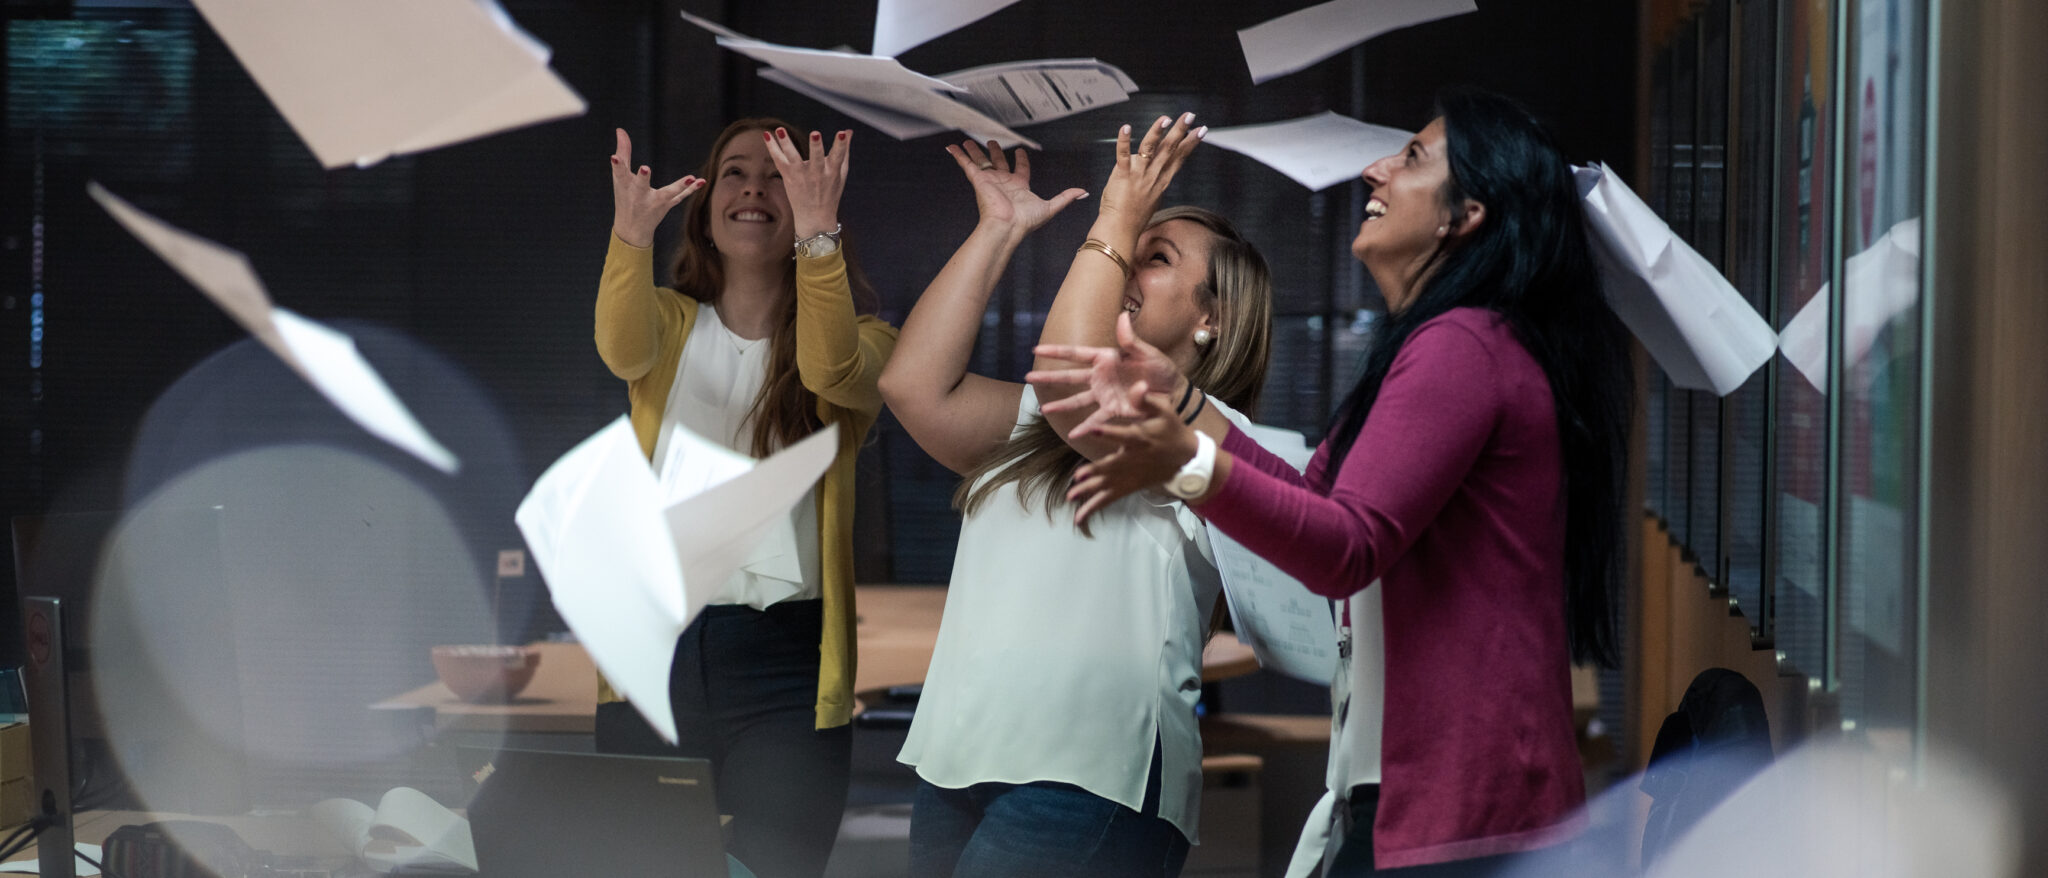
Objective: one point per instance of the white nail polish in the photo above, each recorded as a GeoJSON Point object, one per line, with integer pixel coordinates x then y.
{"type": "Point", "coordinates": [1201, 131]}
{"type": "Point", "coordinates": [1187, 119]}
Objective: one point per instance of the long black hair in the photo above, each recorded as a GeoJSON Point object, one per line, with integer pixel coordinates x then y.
{"type": "Point", "coordinates": [1530, 261]}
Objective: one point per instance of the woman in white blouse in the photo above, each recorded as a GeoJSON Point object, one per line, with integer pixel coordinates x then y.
{"type": "Point", "coordinates": [1056, 733]}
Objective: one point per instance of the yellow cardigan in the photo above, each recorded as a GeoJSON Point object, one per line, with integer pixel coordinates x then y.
{"type": "Point", "coordinates": [839, 356]}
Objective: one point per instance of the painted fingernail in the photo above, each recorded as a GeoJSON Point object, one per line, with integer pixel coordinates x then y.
{"type": "Point", "coordinates": [845, 134]}
{"type": "Point", "coordinates": [816, 136]}
{"type": "Point", "coordinates": [1187, 119]}
{"type": "Point", "coordinates": [1201, 131]}
{"type": "Point", "coordinates": [782, 133]}
{"type": "Point", "coordinates": [767, 136]}
{"type": "Point", "coordinates": [1125, 131]}
{"type": "Point", "coordinates": [1164, 121]}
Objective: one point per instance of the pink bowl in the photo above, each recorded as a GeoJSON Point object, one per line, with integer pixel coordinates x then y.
{"type": "Point", "coordinates": [486, 673]}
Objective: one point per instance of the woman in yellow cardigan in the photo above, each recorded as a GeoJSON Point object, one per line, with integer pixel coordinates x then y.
{"type": "Point", "coordinates": [756, 346]}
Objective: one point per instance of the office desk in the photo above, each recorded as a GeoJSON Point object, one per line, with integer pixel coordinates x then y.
{"type": "Point", "coordinates": [562, 699]}
{"type": "Point", "coordinates": [897, 627]}
{"type": "Point", "coordinates": [282, 834]}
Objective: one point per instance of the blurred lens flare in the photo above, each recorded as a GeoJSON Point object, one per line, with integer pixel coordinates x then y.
{"type": "Point", "coordinates": [249, 613]}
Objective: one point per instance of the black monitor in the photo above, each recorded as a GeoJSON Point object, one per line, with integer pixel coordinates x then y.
{"type": "Point", "coordinates": [144, 716]}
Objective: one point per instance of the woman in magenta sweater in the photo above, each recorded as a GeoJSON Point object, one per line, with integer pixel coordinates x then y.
{"type": "Point", "coordinates": [1470, 488]}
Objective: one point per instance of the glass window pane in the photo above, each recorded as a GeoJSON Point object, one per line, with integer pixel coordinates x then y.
{"type": "Point", "coordinates": [1749, 268]}
{"type": "Point", "coordinates": [1881, 363]}
{"type": "Point", "coordinates": [1802, 423]}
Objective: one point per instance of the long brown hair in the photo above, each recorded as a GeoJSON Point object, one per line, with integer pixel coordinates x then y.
{"type": "Point", "coordinates": [1238, 292]}
{"type": "Point", "coordinates": [785, 411]}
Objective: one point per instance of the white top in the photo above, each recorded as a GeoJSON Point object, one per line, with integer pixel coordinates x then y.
{"type": "Point", "coordinates": [1062, 658]}
{"type": "Point", "coordinates": [717, 379]}
{"type": "Point", "coordinates": [1359, 696]}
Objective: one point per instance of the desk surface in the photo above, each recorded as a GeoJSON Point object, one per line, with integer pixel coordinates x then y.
{"type": "Point", "coordinates": [282, 834]}
{"type": "Point", "coordinates": [897, 627]}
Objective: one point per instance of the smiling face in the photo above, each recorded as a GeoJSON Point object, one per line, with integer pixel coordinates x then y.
{"type": "Point", "coordinates": [1164, 297]}
{"type": "Point", "coordinates": [1406, 219]}
{"type": "Point", "coordinates": [750, 216]}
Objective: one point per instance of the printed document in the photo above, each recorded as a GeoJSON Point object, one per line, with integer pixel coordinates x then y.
{"type": "Point", "coordinates": [326, 358]}
{"type": "Point", "coordinates": [1878, 285]}
{"type": "Point", "coordinates": [360, 82]}
{"type": "Point", "coordinates": [985, 103]}
{"type": "Point", "coordinates": [1317, 151]}
{"type": "Point", "coordinates": [1289, 628]}
{"type": "Point", "coordinates": [630, 557]}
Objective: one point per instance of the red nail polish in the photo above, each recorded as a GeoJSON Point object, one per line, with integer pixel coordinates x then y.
{"type": "Point", "coordinates": [767, 136]}
{"type": "Point", "coordinates": [842, 135]}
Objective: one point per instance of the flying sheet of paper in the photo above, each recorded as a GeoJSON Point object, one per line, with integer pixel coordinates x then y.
{"type": "Point", "coordinates": [1692, 321]}
{"type": "Point", "coordinates": [1317, 151]}
{"type": "Point", "coordinates": [1288, 627]}
{"type": "Point", "coordinates": [360, 82]}
{"type": "Point", "coordinates": [1294, 41]}
{"type": "Point", "coordinates": [327, 359]}
{"type": "Point", "coordinates": [871, 79]}
{"type": "Point", "coordinates": [1016, 94]}
{"type": "Point", "coordinates": [1879, 284]}
{"type": "Point", "coordinates": [629, 564]}
{"type": "Point", "coordinates": [901, 24]}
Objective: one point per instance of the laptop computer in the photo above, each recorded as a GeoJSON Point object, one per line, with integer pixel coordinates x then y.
{"type": "Point", "coordinates": [545, 814]}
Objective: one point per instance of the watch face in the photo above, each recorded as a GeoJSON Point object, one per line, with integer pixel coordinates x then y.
{"type": "Point", "coordinates": [1189, 485]}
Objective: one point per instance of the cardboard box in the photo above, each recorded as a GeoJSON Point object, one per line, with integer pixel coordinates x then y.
{"type": "Point", "coordinates": [17, 798]}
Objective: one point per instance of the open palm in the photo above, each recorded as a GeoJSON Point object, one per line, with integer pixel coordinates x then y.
{"type": "Point", "coordinates": [1003, 193]}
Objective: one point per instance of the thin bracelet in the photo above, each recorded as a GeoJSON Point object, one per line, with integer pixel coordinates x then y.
{"type": "Point", "coordinates": [1190, 420]}
{"type": "Point", "coordinates": [1106, 250]}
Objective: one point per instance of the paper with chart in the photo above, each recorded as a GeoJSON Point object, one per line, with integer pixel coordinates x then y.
{"type": "Point", "coordinates": [986, 103]}
{"type": "Point", "coordinates": [1317, 151]}
{"type": "Point", "coordinates": [1296, 40]}
{"type": "Point", "coordinates": [361, 82]}
{"type": "Point", "coordinates": [1290, 628]}
{"type": "Point", "coordinates": [1703, 333]}
{"type": "Point", "coordinates": [631, 558]}
{"type": "Point", "coordinates": [902, 24]}
{"type": "Point", "coordinates": [327, 359]}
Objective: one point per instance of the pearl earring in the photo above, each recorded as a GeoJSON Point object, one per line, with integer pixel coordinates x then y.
{"type": "Point", "coordinates": [1203, 336]}
{"type": "Point", "coordinates": [1440, 230]}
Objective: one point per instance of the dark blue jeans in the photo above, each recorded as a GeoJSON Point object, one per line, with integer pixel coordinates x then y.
{"type": "Point", "coordinates": [744, 688]}
{"type": "Point", "coordinates": [1041, 830]}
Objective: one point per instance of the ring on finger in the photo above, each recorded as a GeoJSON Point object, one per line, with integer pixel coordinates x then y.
{"type": "Point", "coordinates": [987, 166]}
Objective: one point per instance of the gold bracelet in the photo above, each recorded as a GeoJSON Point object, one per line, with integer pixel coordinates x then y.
{"type": "Point", "coordinates": [1106, 250]}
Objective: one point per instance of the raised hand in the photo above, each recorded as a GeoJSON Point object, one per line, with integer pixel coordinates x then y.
{"type": "Point", "coordinates": [1141, 176]}
{"type": "Point", "coordinates": [637, 206]}
{"type": "Point", "coordinates": [813, 185]}
{"type": "Point", "coordinates": [1002, 193]}
{"type": "Point", "coordinates": [1151, 448]}
{"type": "Point", "coordinates": [1107, 381]}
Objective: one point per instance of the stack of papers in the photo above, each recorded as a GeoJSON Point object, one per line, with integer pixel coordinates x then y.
{"type": "Point", "coordinates": [326, 358]}
{"type": "Point", "coordinates": [361, 82]}
{"type": "Point", "coordinates": [1692, 321]}
{"type": "Point", "coordinates": [1316, 151]}
{"type": "Point", "coordinates": [983, 102]}
{"type": "Point", "coordinates": [631, 558]}
{"type": "Point", "coordinates": [1294, 41]}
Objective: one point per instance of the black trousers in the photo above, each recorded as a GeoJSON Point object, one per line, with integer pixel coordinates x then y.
{"type": "Point", "coordinates": [1354, 859]}
{"type": "Point", "coordinates": [744, 688]}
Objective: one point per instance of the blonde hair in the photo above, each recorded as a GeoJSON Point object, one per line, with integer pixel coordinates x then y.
{"type": "Point", "coordinates": [785, 411]}
{"type": "Point", "coordinates": [1238, 293]}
